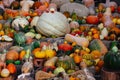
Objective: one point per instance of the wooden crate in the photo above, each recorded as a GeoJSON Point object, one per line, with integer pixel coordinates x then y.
{"type": "Point", "coordinates": [110, 75]}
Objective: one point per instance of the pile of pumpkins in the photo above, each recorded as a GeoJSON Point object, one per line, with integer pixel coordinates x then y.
{"type": "Point", "coordinates": [29, 27]}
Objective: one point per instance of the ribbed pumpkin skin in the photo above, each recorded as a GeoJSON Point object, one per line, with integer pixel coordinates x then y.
{"type": "Point", "coordinates": [53, 24]}
{"type": "Point", "coordinates": [112, 60]}
{"type": "Point", "coordinates": [12, 55]}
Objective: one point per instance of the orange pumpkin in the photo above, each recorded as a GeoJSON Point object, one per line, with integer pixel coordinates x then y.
{"type": "Point", "coordinates": [96, 54]}
{"type": "Point", "coordinates": [46, 4]}
{"type": "Point", "coordinates": [96, 36]}
{"type": "Point", "coordinates": [115, 29]}
{"type": "Point", "coordinates": [72, 78]}
{"type": "Point", "coordinates": [22, 54]}
{"type": "Point", "coordinates": [36, 50]}
{"type": "Point", "coordinates": [12, 68]}
{"type": "Point", "coordinates": [100, 63]}
{"type": "Point", "coordinates": [77, 58]}
{"type": "Point", "coordinates": [92, 19]}
{"type": "Point", "coordinates": [12, 55]}
{"type": "Point", "coordinates": [82, 52]}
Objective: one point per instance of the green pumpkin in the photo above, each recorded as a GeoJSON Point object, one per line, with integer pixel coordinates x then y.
{"type": "Point", "coordinates": [35, 44]}
{"type": "Point", "coordinates": [112, 60]}
{"type": "Point", "coordinates": [19, 38]}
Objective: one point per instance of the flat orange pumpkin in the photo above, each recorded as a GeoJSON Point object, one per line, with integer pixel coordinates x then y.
{"type": "Point", "coordinates": [92, 19]}
{"type": "Point", "coordinates": [12, 55]}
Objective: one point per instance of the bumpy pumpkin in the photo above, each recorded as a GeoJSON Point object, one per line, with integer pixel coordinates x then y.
{"type": "Point", "coordinates": [52, 24]}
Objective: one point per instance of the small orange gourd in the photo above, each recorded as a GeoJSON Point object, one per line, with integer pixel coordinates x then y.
{"type": "Point", "coordinates": [96, 36]}
{"type": "Point", "coordinates": [82, 52]}
{"type": "Point", "coordinates": [77, 58]}
{"type": "Point", "coordinates": [22, 54]}
{"type": "Point", "coordinates": [36, 50]}
{"type": "Point", "coordinates": [96, 54]}
{"type": "Point", "coordinates": [100, 63]}
{"type": "Point", "coordinates": [12, 68]}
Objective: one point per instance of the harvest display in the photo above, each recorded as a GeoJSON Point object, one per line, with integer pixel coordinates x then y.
{"type": "Point", "coordinates": [58, 39]}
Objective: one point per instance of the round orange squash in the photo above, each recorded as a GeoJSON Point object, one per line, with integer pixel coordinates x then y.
{"type": "Point", "coordinates": [77, 58]}
{"type": "Point", "coordinates": [96, 54]}
{"type": "Point", "coordinates": [12, 55]}
{"type": "Point", "coordinates": [92, 19]}
{"type": "Point", "coordinates": [12, 68]}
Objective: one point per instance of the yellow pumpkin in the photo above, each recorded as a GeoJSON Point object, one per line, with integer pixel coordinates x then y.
{"type": "Point", "coordinates": [40, 54]}
{"type": "Point", "coordinates": [50, 53]}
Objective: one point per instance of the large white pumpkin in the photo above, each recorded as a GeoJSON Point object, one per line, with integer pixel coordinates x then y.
{"type": "Point", "coordinates": [52, 24]}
